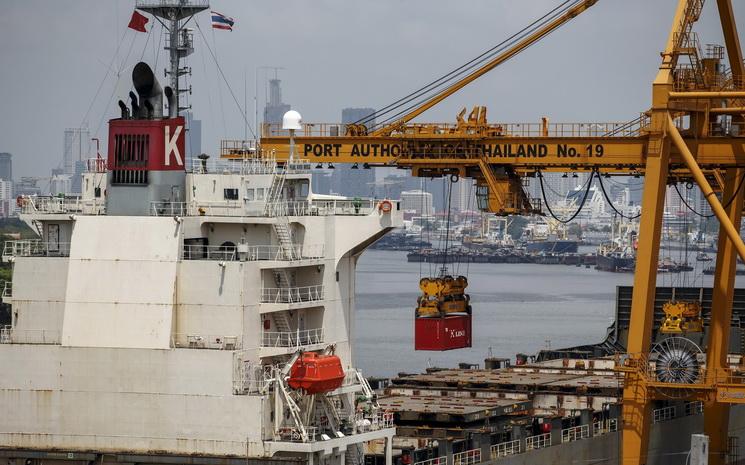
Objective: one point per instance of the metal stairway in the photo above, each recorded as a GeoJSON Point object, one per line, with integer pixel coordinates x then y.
{"type": "Point", "coordinates": [273, 205]}
{"type": "Point", "coordinates": [284, 235]}
{"type": "Point", "coordinates": [281, 322]}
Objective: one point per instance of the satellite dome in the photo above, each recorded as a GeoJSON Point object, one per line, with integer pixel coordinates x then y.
{"type": "Point", "coordinates": [291, 120]}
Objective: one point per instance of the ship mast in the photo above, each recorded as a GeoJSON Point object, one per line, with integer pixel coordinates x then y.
{"type": "Point", "coordinates": [174, 15]}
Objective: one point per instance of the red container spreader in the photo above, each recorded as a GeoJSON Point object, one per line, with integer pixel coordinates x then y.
{"type": "Point", "coordinates": [442, 333]}
{"type": "Point", "coordinates": [316, 373]}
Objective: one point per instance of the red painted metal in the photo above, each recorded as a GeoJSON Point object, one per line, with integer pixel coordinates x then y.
{"type": "Point", "coordinates": [442, 333]}
{"type": "Point", "coordinates": [316, 373]}
{"type": "Point", "coordinates": [141, 144]}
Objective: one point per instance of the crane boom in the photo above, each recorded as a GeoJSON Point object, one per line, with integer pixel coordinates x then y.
{"type": "Point", "coordinates": [490, 65]}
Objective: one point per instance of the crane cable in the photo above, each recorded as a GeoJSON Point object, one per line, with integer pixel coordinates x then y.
{"type": "Point", "coordinates": [448, 77]}
{"type": "Point", "coordinates": [581, 206]}
{"type": "Point", "coordinates": [725, 205]}
{"type": "Point", "coordinates": [443, 271]}
{"type": "Point", "coordinates": [424, 98]}
{"type": "Point", "coordinates": [607, 199]}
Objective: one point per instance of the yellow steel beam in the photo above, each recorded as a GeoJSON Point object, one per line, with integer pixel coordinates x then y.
{"type": "Point", "coordinates": [732, 232]}
{"type": "Point", "coordinates": [707, 95]}
{"type": "Point", "coordinates": [538, 152]}
{"type": "Point", "coordinates": [731, 40]}
{"type": "Point", "coordinates": [636, 406]}
{"type": "Point", "coordinates": [716, 415]}
{"type": "Point", "coordinates": [501, 58]}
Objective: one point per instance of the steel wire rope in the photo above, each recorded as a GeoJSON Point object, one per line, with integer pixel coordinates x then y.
{"type": "Point", "coordinates": [447, 225]}
{"type": "Point", "coordinates": [724, 205]}
{"type": "Point", "coordinates": [425, 97]}
{"type": "Point", "coordinates": [219, 68]}
{"type": "Point", "coordinates": [118, 78]}
{"type": "Point", "coordinates": [607, 199]}
{"type": "Point", "coordinates": [447, 77]}
{"type": "Point", "coordinates": [579, 209]}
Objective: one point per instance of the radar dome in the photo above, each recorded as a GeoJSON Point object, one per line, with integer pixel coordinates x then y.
{"type": "Point", "coordinates": [291, 120]}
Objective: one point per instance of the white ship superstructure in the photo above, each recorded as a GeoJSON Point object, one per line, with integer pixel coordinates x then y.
{"type": "Point", "coordinates": [160, 317]}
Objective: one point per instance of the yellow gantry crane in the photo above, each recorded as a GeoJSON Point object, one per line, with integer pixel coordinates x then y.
{"type": "Point", "coordinates": [693, 132]}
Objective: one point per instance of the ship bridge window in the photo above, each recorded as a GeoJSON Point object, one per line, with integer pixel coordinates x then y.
{"type": "Point", "coordinates": [230, 194]}
{"type": "Point", "coordinates": [250, 195]}
{"type": "Point", "coordinates": [260, 193]}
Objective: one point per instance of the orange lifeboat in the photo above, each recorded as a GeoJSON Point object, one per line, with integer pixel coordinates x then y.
{"type": "Point", "coordinates": [316, 373]}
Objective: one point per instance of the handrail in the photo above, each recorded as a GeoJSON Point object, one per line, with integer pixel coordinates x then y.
{"type": "Point", "coordinates": [504, 449]}
{"type": "Point", "coordinates": [292, 294]}
{"type": "Point", "coordinates": [205, 341]}
{"type": "Point", "coordinates": [245, 252]}
{"type": "Point", "coordinates": [295, 339]}
{"type": "Point", "coordinates": [538, 441]}
{"type": "Point", "coordinates": [35, 248]}
{"type": "Point", "coordinates": [33, 204]}
{"type": "Point", "coordinates": [468, 457]}
{"type": "Point", "coordinates": [233, 208]}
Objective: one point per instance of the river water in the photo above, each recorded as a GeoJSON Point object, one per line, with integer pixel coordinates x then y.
{"type": "Point", "coordinates": [516, 308]}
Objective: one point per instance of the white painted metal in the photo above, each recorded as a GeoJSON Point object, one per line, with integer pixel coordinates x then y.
{"type": "Point", "coordinates": [164, 332]}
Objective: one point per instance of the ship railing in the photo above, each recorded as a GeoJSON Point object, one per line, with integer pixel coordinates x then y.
{"type": "Point", "coordinates": [7, 290]}
{"type": "Point", "coordinates": [373, 422]}
{"type": "Point", "coordinates": [326, 207]}
{"type": "Point", "coordinates": [292, 294]}
{"type": "Point", "coordinates": [663, 414]}
{"type": "Point", "coordinates": [29, 336]}
{"type": "Point", "coordinates": [167, 208]}
{"type": "Point", "coordinates": [249, 378]}
{"type": "Point", "coordinates": [297, 338]}
{"type": "Point", "coordinates": [520, 129]}
{"type": "Point", "coordinates": [443, 460]}
{"type": "Point", "coordinates": [242, 166]}
{"type": "Point", "coordinates": [35, 248]}
{"type": "Point", "coordinates": [293, 434]}
{"type": "Point", "coordinates": [468, 457]}
{"type": "Point", "coordinates": [695, 407]}
{"type": "Point", "coordinates": [575, 433]}
{"type": "Point", "coordinates": [245, 252]}
{"type": "Point", "coordinates": [539, 441]}
{"type": "Point", "coordinates": [171, 3]}
{"type": "Point", "coordinates": [205, 341]}
{"type": "Point", "coordinates": [96, 165]}
{"type": "Point", "coordinates": [604, 426]}
{"type": "Point", "coordinates": [60, 205]}
{"type": "Point", "coordinates": [504, 449]}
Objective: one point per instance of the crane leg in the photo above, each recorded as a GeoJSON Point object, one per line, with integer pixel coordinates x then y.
{"type": "Point", "coordinates": [636, 404]}
{"type": "Point", "coordinates": [716, 415]}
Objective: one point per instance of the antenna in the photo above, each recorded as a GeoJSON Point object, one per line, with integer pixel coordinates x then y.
{"type": "Point", "coordinates": [174, 16]}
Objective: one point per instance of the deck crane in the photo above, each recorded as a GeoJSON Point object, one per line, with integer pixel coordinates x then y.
{"type": "Point", "coordinates": [691, 133]}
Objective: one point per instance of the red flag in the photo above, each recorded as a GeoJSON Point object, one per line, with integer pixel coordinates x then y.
{"type": "Point", "coordinates": [138, 22]}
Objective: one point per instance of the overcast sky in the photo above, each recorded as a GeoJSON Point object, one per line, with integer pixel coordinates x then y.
{"type": "Point", "coordinates": [336, 54]}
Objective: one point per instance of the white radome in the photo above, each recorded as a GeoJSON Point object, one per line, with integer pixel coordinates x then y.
{"type": "Point", "coordinates": [291, 120]}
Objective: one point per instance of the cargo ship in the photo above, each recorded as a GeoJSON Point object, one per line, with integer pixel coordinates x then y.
{"type": "Point", "coordinates": [187, 311]}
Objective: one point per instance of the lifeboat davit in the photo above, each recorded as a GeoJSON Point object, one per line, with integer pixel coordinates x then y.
{"type": "Point", "coordinates": [314, 373]}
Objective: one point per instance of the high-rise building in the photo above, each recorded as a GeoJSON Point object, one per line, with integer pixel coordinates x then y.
{"type": "Point", "coordinates": [349, 180]}
{"type": "Point", "coordinates": [77, 148]}
{"type": "Point", "coordinates": [7, 201]}
{"type": "Point", "coordinates": [463, 195]}
{"type": "Point", "coordinates": [275, 108]}
{"type": "Point", "coordinates": [28, 186]}
{"type": "Point", "coordinates": [193, 135]}
{"type": "Point", "coordinates": [6, 166]}
{"type": "Point", "coordinates": [418, 202]}
{"type": "Point", "coordinates": [60, 184]}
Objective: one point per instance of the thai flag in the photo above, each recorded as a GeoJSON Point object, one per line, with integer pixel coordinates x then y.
{"type": "Point", "coordinates": [220, 21]}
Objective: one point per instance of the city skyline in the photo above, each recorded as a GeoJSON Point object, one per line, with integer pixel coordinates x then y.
{"type": "Point", "coordinates": [315, 82]}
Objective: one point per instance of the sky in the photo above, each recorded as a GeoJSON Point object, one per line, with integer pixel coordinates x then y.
{"type": "Point", "coordinates": [65, 64]}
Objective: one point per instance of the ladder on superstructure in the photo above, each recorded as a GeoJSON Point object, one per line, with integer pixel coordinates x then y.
{"type": "Point", "coordinates": [280, 210]}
